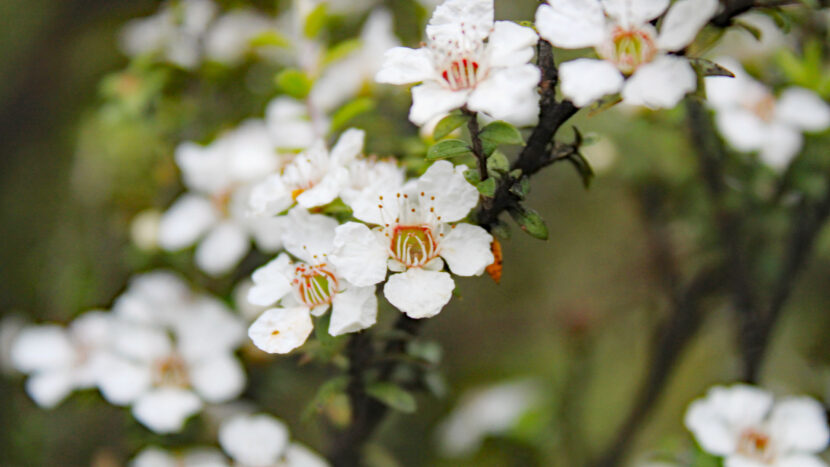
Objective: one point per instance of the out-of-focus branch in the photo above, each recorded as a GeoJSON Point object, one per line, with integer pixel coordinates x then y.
{"type": "Point", "coordinates": [733, 8]}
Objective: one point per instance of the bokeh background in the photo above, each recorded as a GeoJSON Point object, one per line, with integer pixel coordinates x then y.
{"type": "Point", "coordinates": [576, 313]}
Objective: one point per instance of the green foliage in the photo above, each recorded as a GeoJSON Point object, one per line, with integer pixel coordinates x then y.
{"type": "Point", "coordinates": [293, 82]}
{"type": "Point", "coordinates": [351, 110]}
{"type": "Point", "coordinates": [487, 187]}
{"type": "Point", "coordinates": [270, 38]}
{"type": "Point", "coordinates": [341, 50]}
{"type": "Point", "coordinates": [393, 396]}
{"type": "Point", "coordinates": [325, 394]}
{"type": "Point", "coordinates": [530, 221]}
{"type": "Point", "coordinates": [448, 148]}
{"type": "Point", "coordinates": [499, 132]}
{"type": "Point", "coordinates": [315, 21]}
{"type": "Point", "coordinates": [449, 124]}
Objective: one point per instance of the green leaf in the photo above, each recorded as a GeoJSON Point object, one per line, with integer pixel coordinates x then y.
{"type": "Point", "coordinates": [393, 396]}
{"type": "Point", "coordinates": [501, 229]}
{"type": "Point", "coordinates": [487, 187]}
{"type": "Point", "coordinates": [521, 188]}
{"type": "Point", "coordinates": [315, 21]}
{"type": "Point", "coordinates": [351, 110]}
{"type": "Point", "coordinates": [448, 124]}
{"type": "Point", "coordinates": [530, 221]}
{"type": "Point", "coordinates": [709, 68]}
{"type": "Point", "coordinates": [325, 394]}
{"type": "Point", "coordinates": [428, 351]}
{"type": "Point", "coordinates": [293, 82]}
{"type": "Point", "coordinates": [583, 168]}
{"type": "Point", "coordinates": [472, 176]}
{"type": "Point", "coordinates": [447, 148]}
{"type": "Point", "coordinates": [756, 33]}
{"type": "Point", "coordinates": [321, 331]}
{"type": "Point", "coordinates": [269, 39]}
{"type": "Point", "coordinates": [341, 50]}
{"type": "Point", "coordinates": [500, 132]}
{"type": "Point", "coordinates": [498, 163]}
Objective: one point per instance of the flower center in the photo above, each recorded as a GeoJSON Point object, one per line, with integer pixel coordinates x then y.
{"type": "Point", "coordinates": [171, 371]}
{"type": "Point", "coordinates": [413, 246]}
{"type": "Point", "coordinates": [315, 285]}
{"type": "Point", "coordinates": [461, 74]}
{"type": "Point", "coordinates": [756, 445]}
{"type": "Point", "coordinates": [763, 108]}
{"type": "Point", "coordinates": [629, 48]}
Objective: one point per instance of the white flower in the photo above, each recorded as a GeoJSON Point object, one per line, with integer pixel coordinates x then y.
{"type": "Point", "coordinates": [752, 119]}
{"type": "Point", "coordinates": [263, 441]}
{"type": "Point", "coordinates": [60, 360]}
{"type": "Point", "coordinates": [314, 178]}
{"type": "Point", "coordinates": [293, 124]}
{"type": "Point", "coordinates": [635, 58]}
{"type": "Point", "coordinates": [457, 67]}
{"type": "Point", "coordinates": [741, 424]}
{"type": "Point", "coordinates": [229, 37]}
{"type": "Point", "coordinates": [345, 78]}
{"type": "Point", "coordinates": [307, 287]}
{"type": "Point", "coordinates": [175, 32]}
{"type": "Point", "coordinates": [166, 360]}
{"type": "Point", "coordinates": [200, 457]}
{"type": "Point", "coordinates": [219, 177]}
{"type": "Point", "coordinates": [412, 236]}
{"type": "Point", "coordinates": [485, 412]}
{"type": "Point", "coordinates": [369, 176]}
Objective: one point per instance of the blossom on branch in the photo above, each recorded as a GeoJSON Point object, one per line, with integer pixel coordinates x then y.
{"type": "Point", "coordinates": [261, 440]}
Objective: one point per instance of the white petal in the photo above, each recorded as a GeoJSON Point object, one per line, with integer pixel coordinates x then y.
{"type": "Point", "coordinates": [800, 460]}
{"type": "Point", "coordinates": [454, 195]}
{"type": "Point", "coordinates": [472, 18]}
{"type": "Point", "coordinates": [419, 293]}
{"type": "Point", "coordinates": [154, 457]}
{"type": "Point", "coordinates": [219, 378]}
{"type": "Point", "coordinates": [466, 249]}
{"type": "Point", "coordinates": [402, 65]}
{"type": "Point", "coordinates": [634, 12]}
{"type": "Point", "coordinates": [204, 457]}
{"type": "Point", "coordinates": [165, 410]}
{"type": "Point", "coordinates": [270, 197]}
{"type": "Point", "coordinates": [281, 330]}
{"type": "Point", "coordinates": [42, 347]}
{"type": "Point", "coordinates": [738, 460]}
{"type": "Point", "coordinates": [49, 388]}
{"type": "Point", "coordinates": [267, 232]}
{"type": "Point", "coordinates": [781, 145]}
{"type": "Point", "coordinates": [204, 168]}
{"type": "Point", "coordinates": [718, 420]}
{"type": "Point", "coordinates": [310, 236]}
{"type": "Point", "coordinates": [92, 329]}
{"type": "Point", "coordinates": [185, 221]}
{"type": "Point", "coordinates": [509, 94]}
{"type": "Point", "coordinates": [585, 80]}
{"type": "Point", "coordinates": [802, 108]}
{"type": "Point", "coordinates": [799, 424]}
{"type": "Point", "coordinates": [510, 44]}
{"type": "Point", "coordinates": [222, 249]}
{"type": "Point", "coordinates": [571, 24]}
{"type": "Point", "coordinates": [326, 190]}
{"type": "Point", "coordinates": [251, 153]}
{"type": "Point", "coordinates": [743, 130]}
{"type": "Point", "coordinates": [431, 99]}
{"type": "Point", "coordinates": [141, 342]}
{"type": "Point", "coordinates": [348, 146]}
{"type": "Point", "coordinates": [359, 255]}
{"type": "Point", "coordinates": [353, 310]}
{"type": "Point", "coordinates": [661, 83]}
{"type": "Point", "coordinates": [725, 92]}
{"type": "Point", "coordinates": [122, 381]}
{"type": "Point", "coordinates": [288, 123]}
{"type": "Point", "coordinates": [271, 282]}
{"type": "Point", "coordinates": [371, 208]}
{"type": "Point", "coordinates": [683, 21]}
{"type": "Point", "coordinates": [254, 440]}
{"type": "Point", "coordinates": [298, 455]}
{"type": "Point", "coordinates": [211, 327]}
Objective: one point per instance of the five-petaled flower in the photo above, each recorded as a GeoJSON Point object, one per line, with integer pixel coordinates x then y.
{"type": "Point", "coordinates": [468, 60]}
{"type": "Point", "coordinates": [635, 59]}
{"type": "Point", "coordinates": [413, 238]}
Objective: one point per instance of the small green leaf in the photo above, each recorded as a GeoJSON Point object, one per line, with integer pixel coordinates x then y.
{"type": "Point", "coordinates": [315, 21]}
{"type": "Point", "coordinates": [501, 229]}
{"type": "Point", "coordinates": [326, 393]}
{"type": "Point", "coordinates": [351, 110]}
{"type": "Point", "coordinates": [500, 132]}
{"type": "Point", "coordinates": [487, 187]}
{"type": "Point", "coordinates": [530, 221]}
{"type": "Point", "coordinates": [293, 82]}
{"type": "Point", "coordinates": [448, 124]}
{"type": "Point", "coordinates": [269, 39]}
{"type": "Point", "coordinates": [709, 68]}
{"type": "Point", "coordinates": [521, 188]}
{"type": "Point", "coordinates": [583, 168]}
{"type": "Point", "coordinates": [472, 176]}
{"type": "Point", "coordinates": [756, 32]}
{"type": "Point", "coordinates": [428, 351]}
{"type": "Point", "coordinates": [447, 148]}
{"type": "Point", "coordinates": [498, 163]}
{"type": "Point", "coordinates": [516, 173]}
{"type": "Point", "coordinates": [341, 50]}
{"type": "Point", "coordinates": [393, 396]}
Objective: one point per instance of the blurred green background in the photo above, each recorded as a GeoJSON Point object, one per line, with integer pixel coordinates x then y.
{"type": "Point", "coordinates": [576, 312]}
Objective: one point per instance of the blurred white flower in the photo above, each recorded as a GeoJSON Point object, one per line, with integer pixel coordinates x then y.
{"type": "Point", "coordinates": [412, 236]}
{"type": "Point", "coordinates": [750, 117]}
{"type": "Point", "coordinates": [471, 61]}
{"type": "Point", "coordinates": [314, 178]}
{"type": "Point", "coordinates": [293, 124]}
{"type": "Point", "coordinates": [485, 412]}
{"type": "Point", "coordinates": [307, 287]}
{"type": "Point", "coordinates": [742, 424]}
{"type": "Point", "coordinates": [197, 457]}
{"type": "Point", "coordinates": [169, 351]}
{"type": "Point", "coordinates": [59, 360]}
{"type": "Point", "coordinates": [369, 176]}
{"type": "Point", "coordinates": [144, 229]}
{"type": "Point", "coordinates": [740, 44]}
{"type": "Point", "coordinates": [229, 38]}
{"type": "Point", "coordinates": [175, 32]}
{"type": "Point", "coordinates": [219, 178]}
{"type": "Point", "coordinates": [263, 441]}
{"type": "Point", "coordinates": [635, 58]}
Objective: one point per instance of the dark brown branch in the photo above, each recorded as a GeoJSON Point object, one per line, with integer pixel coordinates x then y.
{"type": "Point", "coordinates": [733, 8]}
{"type": "Point", "coordinates": [478, 149]}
